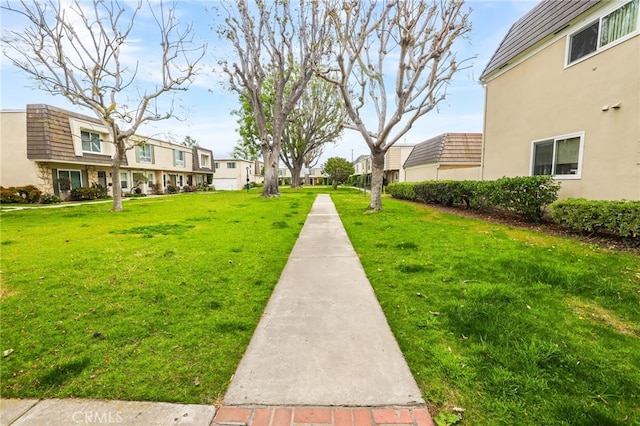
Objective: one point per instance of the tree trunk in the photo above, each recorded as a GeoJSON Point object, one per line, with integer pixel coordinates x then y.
{"type": "Point", "coordinates": [377, 160]}
{"type": "Point", "coordinates": [116, 185]}
{"type": "Point", "coordinates": [271, 161]}
{"type": "Point", "coordinates": [295, 175]}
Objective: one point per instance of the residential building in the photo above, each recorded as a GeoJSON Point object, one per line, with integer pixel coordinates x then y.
{"type": "Point", "coordinates": [233, 174]}
{"type": "Point", "coordinates": [394, 158]}
{"type": "Point", "coordinates": [562, 98]}
{"type": "Point", "coordinates": [450, 156]}
{"type": "Point", "coordinates": [311, 176]}
{"type": "Point", "coordinates": [363, 168]}
{"type": "Point", "coordinates": [58, 150]}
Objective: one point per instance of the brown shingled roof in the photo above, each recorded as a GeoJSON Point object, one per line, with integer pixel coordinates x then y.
{"type": "Point", "coordinates": [546, 19]}
{"type": "Point", "coordinates": [448, 148]}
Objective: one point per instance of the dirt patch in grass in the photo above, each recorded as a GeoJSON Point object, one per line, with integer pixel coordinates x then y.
{"type": "Point", "coordinates": [598, 315]}
{"type": "Point", "coordinates": [612, 242]}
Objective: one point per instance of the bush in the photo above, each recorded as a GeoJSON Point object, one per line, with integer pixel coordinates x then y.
{"type": "Point", "coordinates": [10, 196]}
{"type": "Point", "coordinates": [104, 191]}
{"type": "Point", "coordinates": [28, 194]}
{"type": "Point", "coordinates": [49, 199]}
{"type": "Point", "coordinates": [617, 217]}
{"type": "Point", "coordinates": [402, 190]}
{"type": "Point", "coordinates": [84, 194]}
{"type": "Point", "coordinates": [172, 189]}
{"type": "Point", "coordinates": [135, 194]}
{"type": "Point", "coordinates": [189, 188]}
{"type": "Point", "coordinates": [527, 195]}
{"type": "Point", "coordinates": [204, 187]}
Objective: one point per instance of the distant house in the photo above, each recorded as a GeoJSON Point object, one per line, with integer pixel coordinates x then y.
{"type": "Point", "coordinates": [232, 173]}
{"type": "Point", "coordinates": [58, 150]}
{"type": "Point", "coordinates": [450, 156]}
{"type": "Point", "coordinates": [394, 158]}
{"type": "Point", "coordinates": [563, 99]}
{"type": "Point", "coordinates": [362, 169]}
{"type": "Point", "coordinates": [313, 177]}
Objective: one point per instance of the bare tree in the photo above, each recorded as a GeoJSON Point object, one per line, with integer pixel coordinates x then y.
{"type": "Point", "coordinates": [315, 121]}
{"type": "Point", "coordinates": [394, 60]}
{"type": "Point", "coordinates": [77, 52]}
{"type": "Point", "coordinates": [278, 42]}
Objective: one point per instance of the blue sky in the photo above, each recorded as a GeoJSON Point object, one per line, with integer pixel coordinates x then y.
{"type": "Point", "coordinates": [205, 107]}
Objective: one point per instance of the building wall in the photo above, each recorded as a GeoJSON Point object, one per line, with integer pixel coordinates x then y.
{"type": "Point", "coordinates": [15, 168]}
{"type": "Point", "coordinates": [393, 161]}
{"type": "Point", "coordinates": [421, 173]}
{"type": "Point", "coordinates": [436, 171]}
{"type": "Point", "coordinates": [540, 98]}
{"type": "Point", "coordinates": [459, 173]}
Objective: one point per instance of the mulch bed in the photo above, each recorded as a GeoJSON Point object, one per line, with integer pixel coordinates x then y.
{"type": "Point", "coordinates": [612, 242]}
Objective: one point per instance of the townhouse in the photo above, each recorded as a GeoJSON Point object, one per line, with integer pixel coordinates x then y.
{"type": "Point", "coordinates": [57, 150]}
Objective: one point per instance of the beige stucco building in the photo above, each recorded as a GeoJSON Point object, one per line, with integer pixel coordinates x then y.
{"type": "Point", "coordinates": [563, 98]}
{"type": "Point", "coordinates": [450, 156]}
{"type": "Point", "coordinates": [58, 150]}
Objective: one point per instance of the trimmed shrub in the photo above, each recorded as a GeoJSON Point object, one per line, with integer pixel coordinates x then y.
{"type": "Point", "coordinates": [402, 190]}
{"type": "Point", "coordinates": [172, 189]}
{"type": "Point", "coordinates": [526, 195]}
{"type": "Point", "coordinates": [28, 194]}
{"type": "Point", "coordinates": [616, 217]}
{"type": "Point", "coordinates": [84, 194]}
{"type": "Point", "coordinates": [49, 199]}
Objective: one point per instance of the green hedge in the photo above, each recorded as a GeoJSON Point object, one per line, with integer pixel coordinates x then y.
{"type": "Point", "coordinates": [526, 195]}
{"type": "Point", "coordinates": [402, 190]}
{"type": "Point", "coordinates": [84, 193]}
{"type": "Point", "coordinates": [617, 217]}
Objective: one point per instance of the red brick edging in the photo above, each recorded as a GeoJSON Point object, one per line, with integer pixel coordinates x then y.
{"type": "Point", "coordinates": [336, 416]}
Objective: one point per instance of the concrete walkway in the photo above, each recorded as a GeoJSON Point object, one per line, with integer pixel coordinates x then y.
{"type": "Point", "coordinates": [323, 339]}
{"type": "Point", "coordinates": [322, 354]}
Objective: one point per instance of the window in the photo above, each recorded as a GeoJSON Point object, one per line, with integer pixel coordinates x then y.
{"type": "Point", "coordinates": [216, 165]}
{"type": "Point", "coordinates": [612, 27]}
{"type": "Point", "coordinates": [150, 179]}
{"type": "Point", "coordinates": [123, 180]}
{"type": "Point", "coordinates": [561, 156]}
{"type": "Point", "coordinates": [69, 179]}
{"type": "Point", "coordinates": [144, 153]}
{"type": "Point", "coordinates": [178, 158]}
{"type": "Point", "coordinates": [204, 160]}
{"type": "Point", "coordinates": [90, 141]}
{"type": "Point", "coordinates": [231, 165]}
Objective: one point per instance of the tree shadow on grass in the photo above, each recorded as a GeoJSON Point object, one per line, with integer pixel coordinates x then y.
{"type": "Point", "coordinates": [59, 374]}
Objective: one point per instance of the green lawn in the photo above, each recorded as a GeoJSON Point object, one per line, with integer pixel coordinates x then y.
{"type": "Point", "coordinates": [159, 303]}
{"type": "Point", "coordinates": [513, 326]}
{"type": "Point", "coordinates": [155, 303]}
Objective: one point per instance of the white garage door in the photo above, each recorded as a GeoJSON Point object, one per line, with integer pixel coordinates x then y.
{"type": "Point", "coordinates": [222, 184]}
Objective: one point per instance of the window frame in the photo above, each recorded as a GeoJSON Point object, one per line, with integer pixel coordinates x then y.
{"type": "Point", "coordinates": [142, 157]}
{"type": "Point", "coordinates": [555, 140]}
{"type": "Point", "coordinates": [602, 14]}
{"type": "Point", "coordinates": [231, 164]}
{"type": "Point", "coordinates": [178, 158]}
{"type": "Point", "coordinates": [91, 141]}
{"type": "Point", "coordinates": [69, 171]}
